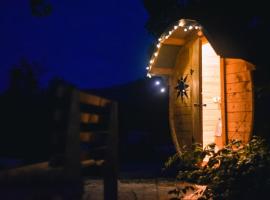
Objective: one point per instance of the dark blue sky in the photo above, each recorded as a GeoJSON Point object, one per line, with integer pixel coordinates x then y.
{"type": "Point", "coordinates": [90, 43]}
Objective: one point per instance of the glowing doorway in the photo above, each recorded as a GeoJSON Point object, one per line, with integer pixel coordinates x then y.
{"type": "Point", "coordinates": [211, 93]}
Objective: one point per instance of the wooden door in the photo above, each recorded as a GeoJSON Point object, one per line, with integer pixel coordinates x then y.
{"type": "Point", "coordinates": [185, 118]}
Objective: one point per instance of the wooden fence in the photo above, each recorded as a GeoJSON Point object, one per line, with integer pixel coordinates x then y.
{"type": "Point", "coordinates": [84, 136]}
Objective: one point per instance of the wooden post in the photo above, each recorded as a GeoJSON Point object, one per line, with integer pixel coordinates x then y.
{"type": "Point", "coordinates": [72, 149]}
{"type": "Point", "coordinates": [111, 162]}
{"type": "Point", "coordinates": [223, 101]}
{"type": "Point", "coordinates": [66, 142]}
{"type": "Point", "coordinates": [72, 165]}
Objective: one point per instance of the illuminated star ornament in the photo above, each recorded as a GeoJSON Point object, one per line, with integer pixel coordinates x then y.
{"type": "Point", "coordinates": [182, 87]}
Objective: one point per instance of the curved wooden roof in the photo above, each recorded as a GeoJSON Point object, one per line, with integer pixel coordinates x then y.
{"type": "Point", "coordinates": [172, 40]}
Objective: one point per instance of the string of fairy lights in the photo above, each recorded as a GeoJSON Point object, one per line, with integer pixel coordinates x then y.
{"type": "Point", "coordinates": [186, 26]}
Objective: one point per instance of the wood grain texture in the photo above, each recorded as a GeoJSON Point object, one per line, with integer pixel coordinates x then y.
{"type": "Point", "coordinates": [93, 99]}
{"type": "Point", "coordinates": [239, 99]}
{"type": "Point", "coordinates": [174, 41]}
{"type": "Point", "coordinates": [181, 118]}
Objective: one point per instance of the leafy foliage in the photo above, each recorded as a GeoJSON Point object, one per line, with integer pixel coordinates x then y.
{"type": "Point", "coordinates": [40, 8]}
{"type": "Point", "coordinates": [25, 116]}
{"type": "Point", "coordinates": [236, 171]}
{"type": "Point", "coordinates": [163, 13]}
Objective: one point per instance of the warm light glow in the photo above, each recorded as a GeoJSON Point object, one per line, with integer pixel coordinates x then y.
{"type": "Point", "coordinates": [186, 27]}
{"type": "Point", "coordinates": [216, 99]}
{"type": "Point", "coordinates": [182, 22]}
{"type": "Point", "coordinates": [200, 33]}
{"type": "Point", "coordinates": [157, 83]}
{"type": "Point", "coordinates": [211, 91]}
{"type": "Point", "coordinates": [162, 90]}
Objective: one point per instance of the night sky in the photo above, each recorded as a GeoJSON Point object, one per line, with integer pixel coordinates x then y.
{"type": "Point", "coordinates": [92, 44]}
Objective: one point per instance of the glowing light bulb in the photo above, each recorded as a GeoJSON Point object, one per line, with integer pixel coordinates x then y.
{"type": "Point", "coordinates": [147, 68]}
{"type": "Point", "coordinates": [157, 83]}
{"type": "Point", "coordinates": [162, 90]}
{"type": "Point", "coordinates": [151, 61]}
{"type": "Point", "coordinates": [182, 23]}
{"type": "Point", "coordinates": [158, 45]}
{"type": "Point", "coordinates": [196, 27]}
{"type": "Point", "coordinates": [159, 39]}
{"type": "Point", "coordinates": [170, 32]}
{"type": "Point", "coordinates": [185, 29]}
{"type": "Point", "coordinates": [190, 27]}
{"type": "Point", "coordinates": [155, 54]}
{"type": "Point", "coordinates": [148, 75]}
{"type": "Point", "coordinates": [175, 27]}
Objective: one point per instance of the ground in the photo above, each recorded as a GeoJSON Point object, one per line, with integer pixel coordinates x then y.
{"type": "Point", "coordinates": [154, 189]}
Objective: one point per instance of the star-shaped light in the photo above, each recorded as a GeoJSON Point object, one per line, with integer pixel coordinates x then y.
{"type": "Point", "coordinates": [182, 87]}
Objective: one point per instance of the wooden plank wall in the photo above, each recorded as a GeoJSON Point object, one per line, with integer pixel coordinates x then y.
{"type": "Point", "coordinates": [239, 99]}
{"type": "Point", "coordinates": [181, 117]}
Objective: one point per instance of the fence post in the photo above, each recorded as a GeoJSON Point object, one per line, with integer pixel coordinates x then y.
{"type": "Point", "coordinates": [111, 161]}
{"type": "Point", "coordinates": [72, 149]}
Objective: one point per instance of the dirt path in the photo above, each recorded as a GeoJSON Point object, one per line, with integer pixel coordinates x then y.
{"type": "Point", "coordinates": [136, 190]}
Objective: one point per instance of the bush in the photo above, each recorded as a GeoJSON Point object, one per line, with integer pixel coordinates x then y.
{"type": "Point", "coordinates": [236, 171]}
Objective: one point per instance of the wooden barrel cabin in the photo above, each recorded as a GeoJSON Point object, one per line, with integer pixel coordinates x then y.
{"type": "Point", "coordinates": [210, 95]}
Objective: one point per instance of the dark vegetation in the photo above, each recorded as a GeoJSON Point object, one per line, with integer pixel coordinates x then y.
{"type": "Point", "coordinates": [236, 171]}
{"type": "Point", "coordinates": [41, 8]}
{"type": "Point", "coordinates": [145, 141]}
{"type": "Point", "coordinates": [24, 118]}
{"type": "Point", "coordinates": [27, 110]}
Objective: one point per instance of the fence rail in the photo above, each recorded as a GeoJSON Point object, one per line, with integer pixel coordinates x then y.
{"type": "Point", "coordinates": [84, 134]}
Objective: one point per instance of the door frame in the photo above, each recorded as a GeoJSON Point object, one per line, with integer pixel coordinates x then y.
{"type": "Point", "coordinates": [223, 101]}
{"type": "Point", "coordinates": [196, 92]}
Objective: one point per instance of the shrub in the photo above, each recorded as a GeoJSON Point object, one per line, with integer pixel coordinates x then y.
{"type": "Point", "coordinates": [236, 171]}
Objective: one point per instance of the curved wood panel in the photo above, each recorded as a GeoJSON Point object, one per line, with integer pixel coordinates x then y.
{"type": "Point", "coordinates": [181, 112]}
{"type": "Point", "coordinates": [238, 108]}
{"type": "Point", "coordinates": [239, 99]}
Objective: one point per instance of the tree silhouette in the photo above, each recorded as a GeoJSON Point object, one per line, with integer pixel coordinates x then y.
{"type": "Point", "coordinates": [225, 13]}
{"type": "Point", "coordinates": [24, 116]}
{"type": "Point", "coordinates": [24, 79]}
{"type": "Point", "coordinates": [40, 8]}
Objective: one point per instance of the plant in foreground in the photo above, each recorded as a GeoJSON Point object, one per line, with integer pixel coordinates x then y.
{"type": "Point", "coordinates": [237, 171]}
